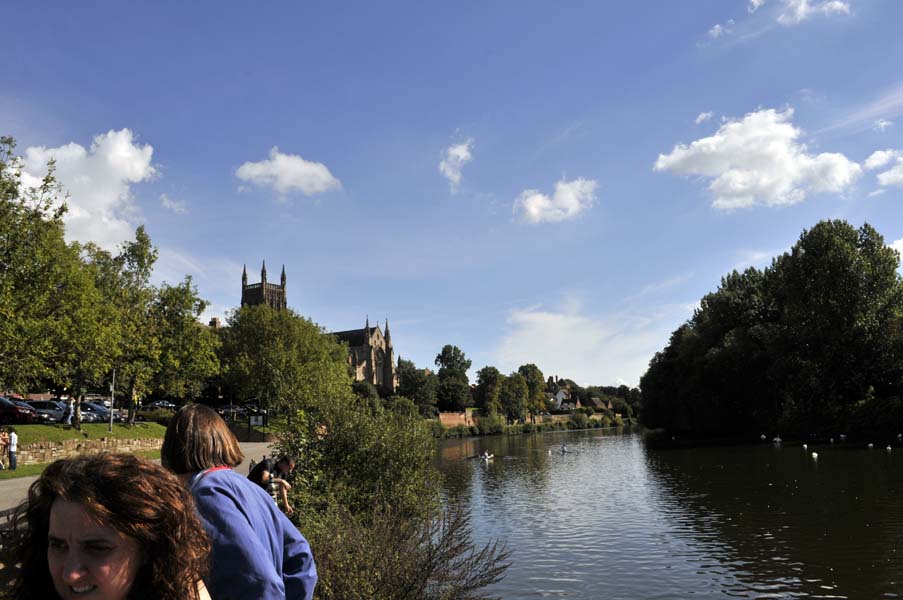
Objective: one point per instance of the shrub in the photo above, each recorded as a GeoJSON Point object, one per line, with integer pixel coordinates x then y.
{"type": "Point", "coordinates": [578, 420]}
{"type": "Point", "coordinates": [528, 428]}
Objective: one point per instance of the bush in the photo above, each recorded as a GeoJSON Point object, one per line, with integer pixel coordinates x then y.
{"type": "Point", "coordinates": [528, 428]}
{"type": "Point", "coordinates": [437, 429]}
{"type": "Point", "coordinates": [157, 415]}
{"type": "Point", "coordinates": [578, 420]}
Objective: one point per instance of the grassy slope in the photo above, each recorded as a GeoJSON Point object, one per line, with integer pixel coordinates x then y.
{"type": "Point", "coordinates": [90, 431]}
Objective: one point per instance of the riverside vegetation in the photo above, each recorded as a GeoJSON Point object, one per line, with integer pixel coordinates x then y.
{"type": "Point", "coordinates": [811, 345]}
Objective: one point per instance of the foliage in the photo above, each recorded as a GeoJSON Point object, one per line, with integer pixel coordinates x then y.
{"type": "Point", "coordinates": [536, 388]}
{"type": "Point", "coordinates": [795, 347]}
{"type": "Point", "coordinates": [453, 395]}
{"type": "Point", "coordinates": [489, 387]}
{"type": "Point", "coordinates": [372, 510]}
{"type": "Point", "coordinates": [282, 359]}
{"type": "Point", "coordinates": [403, 406]}
{"type": "Point", "coordinates": [417, 384]}
{"type": "Point", "coordinates": [514, 396]}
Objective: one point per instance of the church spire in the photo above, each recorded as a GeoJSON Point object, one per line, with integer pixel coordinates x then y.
{"type": "Point", "coordinates": [244, 276]}
{"type": "Point", "coordinates": [263, 274]}
{"type": "Point", "coordinates": [283, 276]}
{"type": "Point", "coordinates": [388, 337]}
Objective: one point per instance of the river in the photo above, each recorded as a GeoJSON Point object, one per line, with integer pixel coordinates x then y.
{"type": "Point", "coordinates": [618, 519]}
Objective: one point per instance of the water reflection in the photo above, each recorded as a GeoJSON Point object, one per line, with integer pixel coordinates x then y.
{"type": "Point", "coordinates": [615, 519]}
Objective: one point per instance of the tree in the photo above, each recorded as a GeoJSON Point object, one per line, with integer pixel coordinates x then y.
{"type": "Point", "coordinates": [188, 350]}
{"type": "Point", "coordinates": [536, 386]}
{"type": "Point", "coordinates": [54, 325]}
{"type": "Point", "coordinates": [452, 363]}
{"type": "Point", "coordinates": [284, 360]}
{"type": "Point", "coordinates": [453, 393]}
{"type": "Point", "coordinates": [417, 384]}
{"type": "Point", "coordinates": [513, 396]}
{"type": "Point", "coordinates": [489, 387]}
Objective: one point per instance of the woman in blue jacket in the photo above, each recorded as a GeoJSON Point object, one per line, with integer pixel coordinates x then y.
{"type": "Point", "coordinates": [257, 552]}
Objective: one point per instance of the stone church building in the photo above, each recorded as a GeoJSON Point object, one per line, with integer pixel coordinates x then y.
{"type": "Point", "coordinates": [263, 293]}
{"type": "Point", "coordinates": [371, 357]}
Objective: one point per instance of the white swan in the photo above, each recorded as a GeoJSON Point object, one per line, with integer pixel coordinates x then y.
{"type": "Point", "coordinates": [888, 448]}
{"type": "Point", "coordinates": [815, 456]}
{"type": "Point", "coordinates": [805, 447]}
{"type": "Point", "coordinates": [871, 445]}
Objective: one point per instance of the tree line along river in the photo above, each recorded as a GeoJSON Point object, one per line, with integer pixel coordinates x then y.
{"type": "Point", "coordinates": [617, 518]}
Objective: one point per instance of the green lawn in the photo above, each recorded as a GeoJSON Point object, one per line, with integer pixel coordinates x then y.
{"type": "Point", "coordinates": [90, 431]}
{"type": "Point", "coordinates": [29, 470]}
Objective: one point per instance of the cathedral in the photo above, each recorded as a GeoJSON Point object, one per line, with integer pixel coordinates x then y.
{"type": "Point", "coordinates": [263, 293]}
{"type": "Point", "coordinates": [371, 357]}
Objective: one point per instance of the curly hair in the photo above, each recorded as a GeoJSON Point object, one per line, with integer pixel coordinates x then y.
{"type": "Point", "coordinates": [139, 499]}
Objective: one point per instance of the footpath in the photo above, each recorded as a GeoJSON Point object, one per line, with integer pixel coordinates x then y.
{"type": "Point", "coordinates": [13, 491]}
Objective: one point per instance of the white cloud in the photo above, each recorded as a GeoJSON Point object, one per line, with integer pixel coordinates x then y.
{"type": "Point", "coordinates": [754, 5]}
{"type": "Point", "coordinates": [176, 206]}
{"type": "Point", "coordinates": [591, 350]}
{"type": "Point", "coordinates": [703, 117]}
{"type": "Point", "coordinates": [759, 160]}
{"type": "Point", "coordinates": [797, 11]}
{"type": "Point", "coordinates": [289, 172]}
{"type": "Point", "coordinates": [571, 198]}
{"type": "Point", "coordinates": [878, 192]}
{"type": "Point", "coordinates": [98, 180]}
{"type": "Point", "coordinates": [882, 125]}
{"type": "Point", "coordinates": [719, 30]}
{"type": "Point", "coordinates": [882, 158]}
{"type": "Point", "coordinates": [898, 246]}
{"type": "Point", "coordinates": [456, 156]}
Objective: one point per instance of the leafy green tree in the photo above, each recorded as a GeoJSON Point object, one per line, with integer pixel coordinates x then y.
{"type": "Point", "coordinates": [453, 393]}
{"type": "Point", "coordinates": [514, 396]}
{"type": "Point", "coordinates": [188, 350]}
{"type": "Point", "coordinates": [417, 384]}
{"type": "Point", "coordinates": [536, 386]}
{"type": "Point", "coordinates": [489, 387]}
{"type": "Point", "coordinates": [452, 363]}
{"type": "Point", "coordinates": [282, 359]}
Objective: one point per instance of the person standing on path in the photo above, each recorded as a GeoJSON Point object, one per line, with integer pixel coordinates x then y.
{"type": "Point", "coordinates": [257, 552]}
{"type": "Point", "coordinates": [13, 446]}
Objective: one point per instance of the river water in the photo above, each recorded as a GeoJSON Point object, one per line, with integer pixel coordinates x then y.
{"type": "Point", "coordinates": [618, 519]}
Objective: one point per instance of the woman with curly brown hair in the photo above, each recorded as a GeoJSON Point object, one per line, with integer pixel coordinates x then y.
{"type": "Point", "coordinates": [108, 527]}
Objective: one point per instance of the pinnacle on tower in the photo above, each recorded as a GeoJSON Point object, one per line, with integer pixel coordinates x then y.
{"type": "Point", "coordinates": [283, 275]}
{"type": "Point", "coordinates": [244, 275]}
{"type": "Point", "coordinates": [263, 274]}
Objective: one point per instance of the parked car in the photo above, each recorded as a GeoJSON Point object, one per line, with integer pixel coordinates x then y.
{"type": "Point", "coordinates": [158, 404]}
{"type": "Point", "coordinates": [53, 410]}
{"type": "Point", "coordinates": [11, 412]}
{"type": "Point", "coordinates": [102, 413]}
{"type": "Point", "coordinates": [35, 416]}
{"type": "Point", "coordinates": [232, 411]}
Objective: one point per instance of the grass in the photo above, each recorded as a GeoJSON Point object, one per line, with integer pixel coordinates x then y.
{"type": "Point", "coordinates": [30, 470]}
{"type": "Point", "coordinates": [90, 431]}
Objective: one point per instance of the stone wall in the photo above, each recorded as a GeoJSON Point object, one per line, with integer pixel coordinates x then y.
{"type": "Point", "coordinates": [45, 452]}
{"type": "Point", "coordinates": [453, 419]}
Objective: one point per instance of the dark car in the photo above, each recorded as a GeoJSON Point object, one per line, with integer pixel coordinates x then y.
{"type": "Point", "coordinates": [160, 404]}
{"type": "Point", "coordinates": [231, 411]}
{"type": "Point", "coordinates": [53, 410]}
{"type": "Point", "coordinates": [98, 411]}
{"type": "Point", "coordinates": [11, 412]}
{"type": "Point", "coordinates": [36, 417]}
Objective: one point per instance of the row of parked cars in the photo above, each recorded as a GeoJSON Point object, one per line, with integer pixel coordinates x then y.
{"type": "Point", "coordinates": [236, 412]}
{"type": "Point", "coordinates": [14, 410]}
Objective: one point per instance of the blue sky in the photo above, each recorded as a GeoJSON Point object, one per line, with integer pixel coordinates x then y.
{"type": "Point", "coordinates": [547, 182]}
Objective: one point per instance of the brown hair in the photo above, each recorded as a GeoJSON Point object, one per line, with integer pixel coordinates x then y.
{"type": "Point", "coordinates": [196, 439]}
{"type": "Point", "coordinates": [134, 496]}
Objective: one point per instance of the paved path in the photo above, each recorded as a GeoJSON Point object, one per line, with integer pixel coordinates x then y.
{"type": "Point", "coordinates": [13, 491]}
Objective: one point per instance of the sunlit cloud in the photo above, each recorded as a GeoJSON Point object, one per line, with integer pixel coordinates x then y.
{"type": "Point", "coordinates": [570, 199]}
{"type": "Point", "coordinates": [287, 173]}
{"type": "Point", "coordinates": [99, 182]}
{"type": "Point", "coordinates": [759, 160]}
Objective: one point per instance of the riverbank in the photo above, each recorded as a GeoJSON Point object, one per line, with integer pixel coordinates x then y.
{"type": "Point", "coordinates": [488, 428]}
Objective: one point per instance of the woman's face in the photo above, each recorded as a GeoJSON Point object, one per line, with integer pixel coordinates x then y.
{"type": "Point", "coordinates": [89, 560]}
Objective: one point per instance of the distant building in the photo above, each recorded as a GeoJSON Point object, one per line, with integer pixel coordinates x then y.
{"type": "Point", "coordinates": [214, 323]}
{"type": "Point", "coordinates": [371, 356]}
{"type": "Point", "coordinates": [270, 294]}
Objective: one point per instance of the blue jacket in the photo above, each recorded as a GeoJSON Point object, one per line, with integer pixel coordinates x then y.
{"type": "Point", "coordinates": [257, 552]}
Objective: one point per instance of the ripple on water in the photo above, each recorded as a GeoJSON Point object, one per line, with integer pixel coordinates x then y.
{"type": "Point", "coordinates": [614, 519]}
